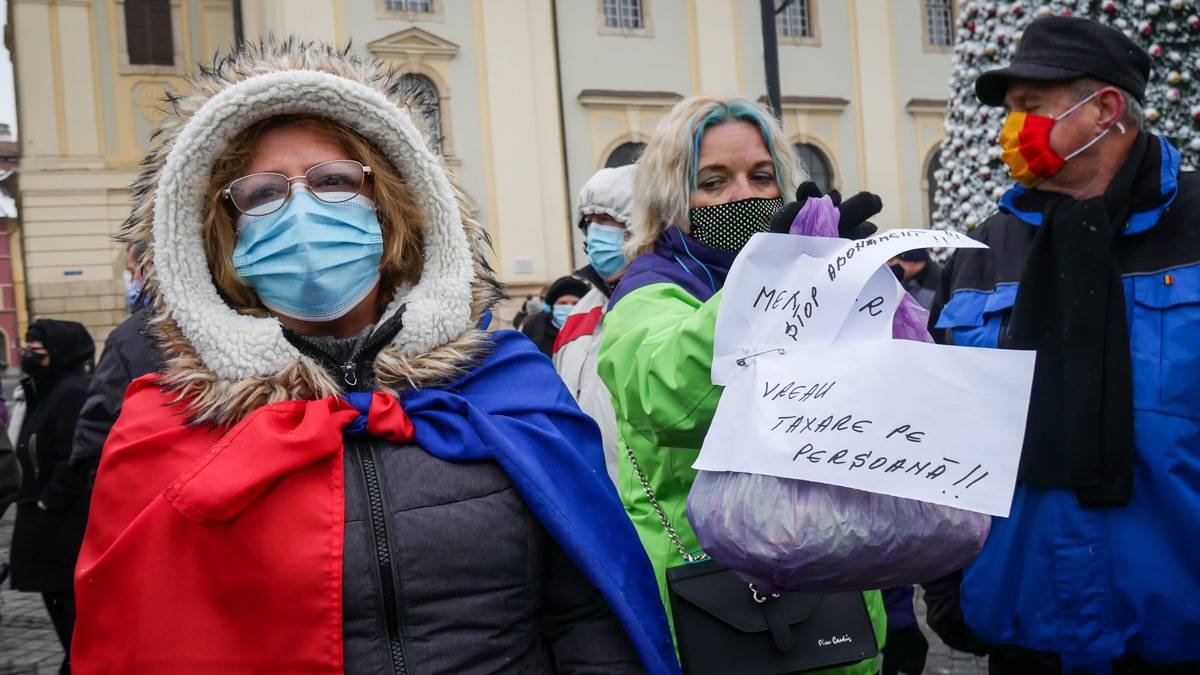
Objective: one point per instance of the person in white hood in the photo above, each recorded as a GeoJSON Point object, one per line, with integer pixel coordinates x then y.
{"type": "Point", "coordinates": [605, 205]}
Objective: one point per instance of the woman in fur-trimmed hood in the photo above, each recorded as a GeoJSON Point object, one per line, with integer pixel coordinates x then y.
{"type": "Point", "coordinates": [340, 469]}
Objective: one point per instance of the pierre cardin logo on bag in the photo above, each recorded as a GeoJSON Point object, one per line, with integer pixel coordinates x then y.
{"type": "Point", "coordinates": [835, 640]}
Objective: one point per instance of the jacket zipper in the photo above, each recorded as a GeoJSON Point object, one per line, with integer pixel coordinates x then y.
{"type": "Point", "coordinates": [349, 369]}
{"type": "Point", "coordinates": [383, 555]}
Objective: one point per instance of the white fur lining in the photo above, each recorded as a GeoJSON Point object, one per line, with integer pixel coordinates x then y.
{"type": "Point", "coordinates": [236, 347]}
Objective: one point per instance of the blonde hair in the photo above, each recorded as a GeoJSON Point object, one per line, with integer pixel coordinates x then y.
{"type": "Point", "coordinates": [399, 217]}
{"type": "Point", "coordinates": [666, 172]}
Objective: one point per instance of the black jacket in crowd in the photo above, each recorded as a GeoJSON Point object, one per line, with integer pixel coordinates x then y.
{"type": "Point", "coordinates": [47, 536]}
{"type": "Point", "coordinates": [541, 330]}
{"type": "Point", "coordinates": [129, 352]}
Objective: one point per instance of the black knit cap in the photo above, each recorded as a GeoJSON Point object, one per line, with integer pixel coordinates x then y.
{"type": "Point", "coordinates": [1067, 48]}
{"type": "Point", "coordinates": [566, 286]}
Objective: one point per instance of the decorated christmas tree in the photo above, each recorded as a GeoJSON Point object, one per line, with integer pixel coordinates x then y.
{"type": "Point", "coordinates": [972, 176]}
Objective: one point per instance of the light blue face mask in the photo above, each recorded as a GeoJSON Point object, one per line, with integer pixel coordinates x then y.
{"type": "Point", "coordinates": [311, 260]}
{"type": "Point", "coordinates": [560, 314]}
{"type": "Point", "coordinates": [604, 249]}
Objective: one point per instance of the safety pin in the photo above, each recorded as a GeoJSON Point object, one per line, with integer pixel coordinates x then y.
{"type": "Point", "coordinates": [742, 361]}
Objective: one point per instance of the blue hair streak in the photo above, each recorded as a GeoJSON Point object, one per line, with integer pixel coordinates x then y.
{"type": "Point", "coordinates": [736, 109]}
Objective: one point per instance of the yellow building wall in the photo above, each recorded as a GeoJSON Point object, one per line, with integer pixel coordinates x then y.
{"type": "Point", "coordinates": [86, 118]}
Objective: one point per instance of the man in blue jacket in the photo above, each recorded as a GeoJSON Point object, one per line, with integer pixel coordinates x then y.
{"type": "Point", "coordinates": [1094, 261]}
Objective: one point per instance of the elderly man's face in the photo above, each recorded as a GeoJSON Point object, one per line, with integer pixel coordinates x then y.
{"type": "Point", "coordinates": [1052, 99]}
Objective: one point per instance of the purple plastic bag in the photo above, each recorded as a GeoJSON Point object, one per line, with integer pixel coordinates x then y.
{"type": "Point", "coordinates": [794, 535]}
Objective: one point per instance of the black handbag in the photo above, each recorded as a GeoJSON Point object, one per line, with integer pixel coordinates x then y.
{"type": "Point", "coordinates": [725, 625]}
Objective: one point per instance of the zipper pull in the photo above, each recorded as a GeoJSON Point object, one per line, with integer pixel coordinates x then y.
{"type": "Point", "coordinates": [350, 374]}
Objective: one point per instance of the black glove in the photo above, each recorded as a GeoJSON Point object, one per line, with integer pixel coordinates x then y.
{"type": "Point", "coordinates": [905, 651]}
{"type": "Point", "coordinates": [855, 211]}
{"type": "Point", "coordinates": [943, 614]}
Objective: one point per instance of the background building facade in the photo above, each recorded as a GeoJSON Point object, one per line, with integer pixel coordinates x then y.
{"type": "Point", "coordinates": [535, 95]}
{"type": "Point", "coordinates": [9, 297]}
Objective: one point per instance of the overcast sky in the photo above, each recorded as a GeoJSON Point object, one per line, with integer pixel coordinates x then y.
{"type": "Point", "coordinates": [8, 107]}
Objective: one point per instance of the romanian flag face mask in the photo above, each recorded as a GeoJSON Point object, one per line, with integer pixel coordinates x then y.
{"type": "Point", "coordinates": [1025, 139]}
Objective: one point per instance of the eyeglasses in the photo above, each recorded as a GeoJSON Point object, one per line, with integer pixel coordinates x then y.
{"type": "Point", "coordinates": [332, 182]}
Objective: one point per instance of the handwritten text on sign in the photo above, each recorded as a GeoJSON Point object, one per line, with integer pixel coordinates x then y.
{"type": "Point", "coordinates": [841, 416]}
{"type": "Point", "coordinates": [832, 402]}
{"type": "Point", "coordinates": [794, 290]}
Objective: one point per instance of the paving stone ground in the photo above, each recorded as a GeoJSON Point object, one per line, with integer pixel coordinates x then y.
{"type": "Point", "coordinates": [28, 644]}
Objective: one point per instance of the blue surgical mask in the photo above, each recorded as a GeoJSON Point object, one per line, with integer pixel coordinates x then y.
{"type": "Point", "coordinates": [311, 260]}
{"type": "Point", "coordinates": [604, 249]}
{"type": "Point", "coordinates": [546, 307]}
{"type": "Point", "coordinates": [561, 312]}
{"type": "Point", "coordinates": [133, 290]}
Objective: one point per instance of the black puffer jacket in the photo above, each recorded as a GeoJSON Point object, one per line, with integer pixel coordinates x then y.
{"type": "Point", "coordinates": [51, 510]}
{"type": "Point", "coordinates": [129, 352]}
{"type": "Point", "coordinates": [445, 568]}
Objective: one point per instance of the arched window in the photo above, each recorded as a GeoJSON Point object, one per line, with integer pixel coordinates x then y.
{"type": "Point", "coordinates": [934, 165]}
{"type": "Point", "coordinates": [625, 153]}
{"type": "Point", "coordinates": [422, 93]}
{"type": "Point", "coordinates": [820, 171]}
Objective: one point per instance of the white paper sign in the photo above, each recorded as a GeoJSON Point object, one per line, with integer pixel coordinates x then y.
{"type": "Point", "coordinates": [788, 290]}
{"type": "Point", "coordinates": [815, 389]}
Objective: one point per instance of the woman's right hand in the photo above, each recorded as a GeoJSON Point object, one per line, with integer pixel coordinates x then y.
{"type": "Point", "coordinates": [855, 212]}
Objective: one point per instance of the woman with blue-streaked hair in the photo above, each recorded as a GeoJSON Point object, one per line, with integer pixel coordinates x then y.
{"type": "Point", "coordinates": [716, 171]}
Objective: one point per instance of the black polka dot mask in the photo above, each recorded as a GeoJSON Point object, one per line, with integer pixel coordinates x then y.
{"type": "Point", "coordinates": [728, 227]}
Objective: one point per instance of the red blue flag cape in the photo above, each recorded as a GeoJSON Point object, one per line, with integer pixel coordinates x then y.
{"type": "Point", "coordinates": [212, 550]}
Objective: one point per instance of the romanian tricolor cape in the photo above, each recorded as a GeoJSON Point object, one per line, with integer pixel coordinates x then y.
{"type": "Point", "coordinates": [220, 551]}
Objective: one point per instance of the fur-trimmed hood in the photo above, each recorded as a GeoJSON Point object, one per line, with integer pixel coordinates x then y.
{"type": "Point", "coordinates": [227, 364]}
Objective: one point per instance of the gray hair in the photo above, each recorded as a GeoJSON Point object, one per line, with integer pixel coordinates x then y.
{"type": "Point", "coordinates": [138, 248]}
{"type": "Point", "coordinates": [1135, 115]}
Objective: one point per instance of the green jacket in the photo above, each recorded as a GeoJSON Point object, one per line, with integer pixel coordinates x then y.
{"type": "Point", "coordinates": [655, 359]}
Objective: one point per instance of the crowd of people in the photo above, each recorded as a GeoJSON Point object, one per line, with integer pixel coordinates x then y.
{"type": "Point", "coordinates": [309, 450]}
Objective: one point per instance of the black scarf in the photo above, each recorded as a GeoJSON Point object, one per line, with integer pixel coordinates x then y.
{"type": "Point", "coordinates": [1071, 309]}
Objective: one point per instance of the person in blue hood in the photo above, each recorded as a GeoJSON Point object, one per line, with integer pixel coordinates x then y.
{"type": "Point", "coordinates": [1093, 261]}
